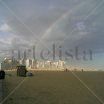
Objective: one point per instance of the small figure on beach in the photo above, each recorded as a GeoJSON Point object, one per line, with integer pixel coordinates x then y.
{"type": "Point", "coordinates": [82, 70]}
{"type": "Point", "coordinates": [66, 70]}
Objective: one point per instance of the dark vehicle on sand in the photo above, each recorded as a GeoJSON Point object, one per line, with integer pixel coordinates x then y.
{"type": "Point", "coordinates": [21, 71]}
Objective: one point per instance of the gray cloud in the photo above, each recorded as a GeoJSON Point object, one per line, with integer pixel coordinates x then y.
{"type": "Point", "coordinates": [40, 15]}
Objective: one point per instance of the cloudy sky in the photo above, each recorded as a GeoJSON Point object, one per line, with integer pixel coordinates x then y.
{"type": "Point", "coordinates": [69, 23]}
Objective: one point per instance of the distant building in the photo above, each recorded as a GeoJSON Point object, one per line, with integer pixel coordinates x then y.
{"type": "Point", "coordinates": [19, 55]}
{"type": "Point", "coordinates": [9, 64]}
{"type": "Point", "coordinates": [25, 55]}
{"type": "Point", "coordinates": [34, 52]}
{"type": "Point", "coordinates": [28, 63]}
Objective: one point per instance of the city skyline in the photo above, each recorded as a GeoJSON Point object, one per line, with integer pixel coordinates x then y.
{"type": "Point", "coordinates": [68, 23]}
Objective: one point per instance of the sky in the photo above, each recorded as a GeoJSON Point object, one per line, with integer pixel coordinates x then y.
{"type": "Point", "coordinates": [69, 23]}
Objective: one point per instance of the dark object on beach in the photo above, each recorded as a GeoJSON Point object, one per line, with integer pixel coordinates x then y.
{"type": "Point", "coordinates": [82, 70]}
{"type": "Point", "coordinates": [2, 74]}
{"type": "Point", "coordinates": [21, 71]}
{"type": "Point", "coordinates": [29, 74]}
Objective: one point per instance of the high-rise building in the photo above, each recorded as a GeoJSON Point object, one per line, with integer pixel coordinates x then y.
{"type": "Point", "coordinates": [12, 55]}
{"type": "Point", "coordinates": [25, 55]}
{"type": "Point", "coordinates": [19, 55]}
{"type": "Point", "coordinates": [34, 57]}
